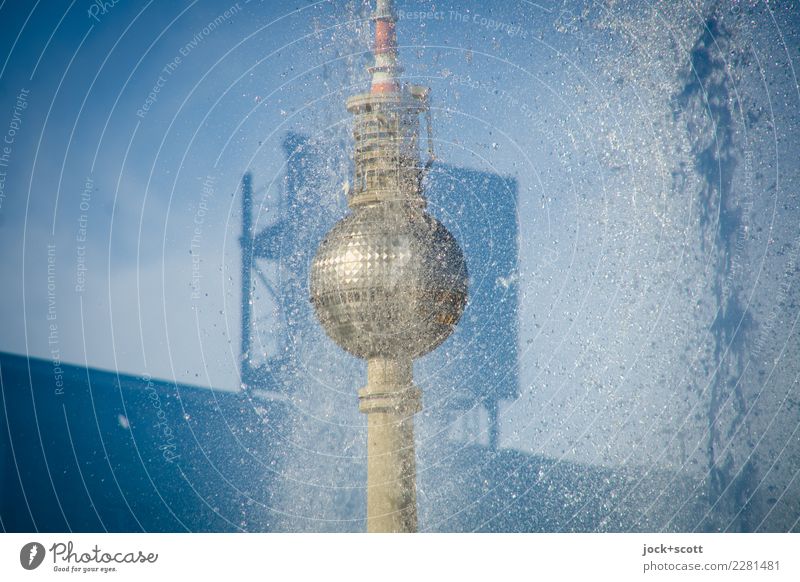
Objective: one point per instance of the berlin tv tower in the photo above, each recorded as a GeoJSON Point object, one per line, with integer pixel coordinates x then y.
{"type": "Point", "coordinates": [389, 282]}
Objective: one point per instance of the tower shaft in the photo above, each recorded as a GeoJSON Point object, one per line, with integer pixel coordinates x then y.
{"type": "Point", "coordinates": [390, 401]}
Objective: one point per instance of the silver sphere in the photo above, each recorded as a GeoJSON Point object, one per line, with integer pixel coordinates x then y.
{"type": "Point", "coordinates": [389, 280]}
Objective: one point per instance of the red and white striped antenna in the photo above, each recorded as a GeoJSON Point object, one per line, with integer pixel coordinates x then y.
{"type": "Point", "coordinates": [385, 70]}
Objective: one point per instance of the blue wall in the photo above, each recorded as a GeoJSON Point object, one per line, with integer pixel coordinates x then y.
{"type": "Point", "coordinates": [101, 456]}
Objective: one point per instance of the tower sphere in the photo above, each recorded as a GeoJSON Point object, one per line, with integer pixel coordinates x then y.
{"type": "Point", "coordinates": [389, 281]}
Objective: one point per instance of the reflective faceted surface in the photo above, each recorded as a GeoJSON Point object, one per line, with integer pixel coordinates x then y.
{"type": "Point", "coordinates": [389, 280]}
